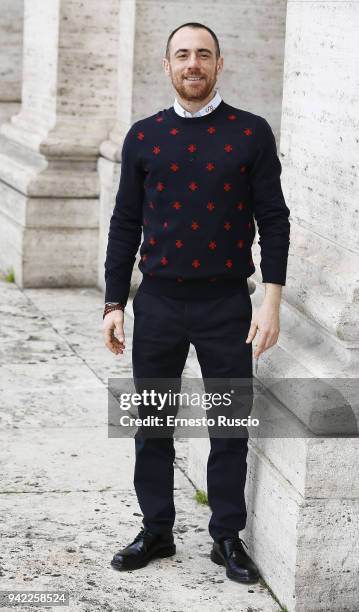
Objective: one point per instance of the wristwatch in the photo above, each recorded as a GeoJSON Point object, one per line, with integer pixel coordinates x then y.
{"type": "Point", "coordinates": [110, 306]}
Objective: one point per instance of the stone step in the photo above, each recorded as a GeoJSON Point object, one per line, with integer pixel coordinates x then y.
{"type": "Point", "coordinates": [302, 344]}
{"type": "Point", "coordinates": [330, 310]}
{"type": "Point", "coordinates": [314, 260]}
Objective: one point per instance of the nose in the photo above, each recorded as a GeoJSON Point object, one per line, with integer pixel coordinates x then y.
{"type": "Point", "coordinates": [193, 61]}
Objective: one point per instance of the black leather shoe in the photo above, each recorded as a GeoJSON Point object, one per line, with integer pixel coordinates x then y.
{"type": "Point", "coordinates": [145, 546]}
{"type": "Point", "coordinates": [239, 566]}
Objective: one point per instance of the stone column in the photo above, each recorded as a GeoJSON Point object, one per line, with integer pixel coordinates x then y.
{"type": "Point", "coordinates": [11, 31]}
{"type": "Point", "coordinates": [110, 149]}
{"type": "Point", "coordinates": [49, 184]}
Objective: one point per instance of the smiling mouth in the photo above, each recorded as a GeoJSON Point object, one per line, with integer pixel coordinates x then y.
{"type": "Point", "coordinates": [193, 79]}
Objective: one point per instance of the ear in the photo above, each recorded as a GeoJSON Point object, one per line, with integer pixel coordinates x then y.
{"type": "Point", "coordinates": [165, 64]}
{"type": "Point", "coordinates": [220, 62]}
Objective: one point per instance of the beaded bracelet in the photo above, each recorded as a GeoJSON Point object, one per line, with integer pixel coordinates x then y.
{"type": "Point", "coordinates": [110, 307]}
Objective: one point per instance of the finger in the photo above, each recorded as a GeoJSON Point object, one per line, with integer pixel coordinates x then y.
{"type": "Point", "coordinates": [258, 352]}
{"type": "Point", "coordinates": [111, 341]}
{"type": "Point", "coordinates": [120, 333]}
{"type": "Point", "coordinates": [271, 340]}
{"type": "Point", "coordinates": [118, 347]}
{"type": "Point", "coordinates": [261, 344]}
{"type": "Point", "coordinates": [252, 331]}
{"type": "Point", "coordinates": [264, 345]}
{"type": "Point", "coordinates": [110, 344]}
{"type": "Point", "coordinates": [107, 332]}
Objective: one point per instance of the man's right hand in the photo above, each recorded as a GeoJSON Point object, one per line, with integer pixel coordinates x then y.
{"type": "Point", "coordinates": [112, 322]}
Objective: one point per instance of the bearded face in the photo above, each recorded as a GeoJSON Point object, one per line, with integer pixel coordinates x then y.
{"type": "Point", "coordinates": [192, 65]}
{"type": "Point", "coordinates": [195, 82]}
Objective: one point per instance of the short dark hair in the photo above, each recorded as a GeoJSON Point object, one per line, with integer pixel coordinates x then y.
{"type": "Point", "coordinates": [193, 24]}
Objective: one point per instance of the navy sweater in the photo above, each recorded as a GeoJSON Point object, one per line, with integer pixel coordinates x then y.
{"type": "Point", "coordinates": [195, 187]}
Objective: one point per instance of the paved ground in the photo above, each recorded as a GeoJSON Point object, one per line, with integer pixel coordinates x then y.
{"type": "Point", "coordinates": [67, 501]}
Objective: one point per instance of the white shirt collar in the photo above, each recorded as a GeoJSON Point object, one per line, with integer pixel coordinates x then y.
{"type": "Point", "coordinates": [208, 108]}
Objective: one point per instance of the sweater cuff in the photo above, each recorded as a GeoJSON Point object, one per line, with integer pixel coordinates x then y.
{"type": "Point", "coordinates": [116, 293]}
{"type": "Point", "coordinates": [276, 277]}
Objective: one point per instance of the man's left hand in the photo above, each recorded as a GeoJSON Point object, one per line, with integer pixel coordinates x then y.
{"type": "Point", "coordinates": [266, 321]}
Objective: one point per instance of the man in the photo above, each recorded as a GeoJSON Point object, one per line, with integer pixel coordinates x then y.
{"type": "Point", "coordinates": [194, 176]}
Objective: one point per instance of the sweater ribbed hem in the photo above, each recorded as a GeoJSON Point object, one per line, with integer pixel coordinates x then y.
{"type": "Point", "coordinates": [195, 289]}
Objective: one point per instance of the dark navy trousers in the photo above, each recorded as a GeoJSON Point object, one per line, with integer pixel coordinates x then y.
{"type": "Point", "coordinates": [164, 328]}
